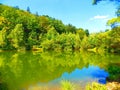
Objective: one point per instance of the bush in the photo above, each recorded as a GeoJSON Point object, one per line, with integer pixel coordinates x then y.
{"type": "Point", "coordinates": [67, 85]}
{"type": "Point", "coordinates": [96, 86]}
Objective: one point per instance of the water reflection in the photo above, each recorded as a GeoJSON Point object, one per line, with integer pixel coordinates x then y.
{"type": "Point", "coordinates": [25, 69]}
{"type": "Point", "coordinates": [79, 77]}
{"type": "Point", "coordinates": [90, 74]}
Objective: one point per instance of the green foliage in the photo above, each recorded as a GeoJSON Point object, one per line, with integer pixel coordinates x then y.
{"type": "Point", "coordinates": [1, 38]}
{"type": "Point", "coordinates": [67, 85]}
{"type": "Point", "coordinates": [3, 86]}
{"type": "Point", "coordinates": [16, 36]}
{"type": "Point", "coordinates": [113, 22]}
{"type": "Point", "coordinates": [114, 71]}
{"type": "Point", "coordinates": [87, 32]}
{"type": "Point", "coordinates": [3, 22]}
{"type": "Point", "coordinates": [22, 29]}
{"type": "Point", "coordinates": [70, 28]}
{"type": "Point", "coordinates": [5, 43]}
{"type": "Point", "coordinates": [81, 33]}
{"type": "Point", "coordinates": [52, 33]}
{"type": "Point", "coordinates": [58, 25]}
{"type": "Point", "coordinates": [48, 45]}
{"type": "Point", "coordinates": [96, 86]}
{"type": "Point", "coordinates": [84, 44]}
{"type": "Point", "coordinates": [67, 42]}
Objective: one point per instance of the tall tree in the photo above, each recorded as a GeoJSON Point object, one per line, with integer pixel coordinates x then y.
{"type": "Point", "coordinates": [28, 9]}
{"type": "Point", "coordinates": [87, 32]}
{"type": "Point", "coordinates": [70, 28]}
{"type": "Point", "coordinates": [16, 36]}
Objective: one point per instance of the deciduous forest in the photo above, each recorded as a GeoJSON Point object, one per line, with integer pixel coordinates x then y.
{"type": "Point", "coordinates": [22, 30]}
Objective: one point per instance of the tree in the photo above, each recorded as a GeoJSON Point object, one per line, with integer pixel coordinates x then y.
{"type": "Point", "coordinates": [16, 7]}
{"type": "Point", "coordinates": [118, 12]}
{"type": "Point", "coordinates": [114, 22]}
{"type": "Point", "coordinates": [87, 32]}
{"type": "Point", "coordinates": [2, 37]}
{"type": "Point", "coordinates": [44, 23]}
{"type": "Point", "coordinates": [70, 28]}
{"type": "Point", "coordinates": [58, 25]}
{"type": "Point", "coordinates": [16, 36]}
{"type": "Point", "coordinates": [28, 9]}
{"type": "Point", "coordinates": [52, 33]}
{"type": "Point", "coordinates": [77, 42]}
{"type": "Point", "coordinates": [115, 39]}
{"type": "Point", "coordinates": [5, 43]}
{"type": "Point", "coordinates": [3, 22]}
{"type": "Point", "coordinates": [97, 1]}
{"type": "Point", "coordinates": [11, 15]}
{"type": "Point", "coordinates": [81, 33]}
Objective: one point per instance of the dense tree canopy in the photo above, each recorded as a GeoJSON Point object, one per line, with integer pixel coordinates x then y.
{"type": "Point", "coordinates": [22, 30]}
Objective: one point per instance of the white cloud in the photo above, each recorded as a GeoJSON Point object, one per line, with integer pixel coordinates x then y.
{"type": "Point", "coordinates": [100, 17]}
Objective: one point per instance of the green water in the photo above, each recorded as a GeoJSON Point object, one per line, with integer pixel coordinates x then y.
{"type": "Point", "coordinates": [20, 70]}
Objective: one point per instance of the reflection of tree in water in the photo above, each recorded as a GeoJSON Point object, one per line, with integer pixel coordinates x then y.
{"type": "Point", "coordinates": [114, 71]}
{"type": "Point", "coordinates": [23, 69]}
{"type": "Point", "coordinates": [3, 86]}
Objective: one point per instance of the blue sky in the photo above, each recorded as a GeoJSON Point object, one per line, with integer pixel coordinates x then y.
{"type": "Point", "coordinates": [80, 13]}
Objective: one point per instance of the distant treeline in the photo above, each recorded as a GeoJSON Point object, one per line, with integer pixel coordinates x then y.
{"type": "Point", "coordinates": [21, 29]}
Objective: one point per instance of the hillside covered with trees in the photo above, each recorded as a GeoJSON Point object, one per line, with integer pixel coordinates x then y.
{"type": "Point", "coordinates": [21, 29]}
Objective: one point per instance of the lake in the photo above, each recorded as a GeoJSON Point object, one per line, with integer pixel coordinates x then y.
{"type": "Point", "coordinates": [46, 70]}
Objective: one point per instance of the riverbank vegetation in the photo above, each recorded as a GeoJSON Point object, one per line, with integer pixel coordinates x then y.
{"type": "Point", "coordinates": [22, 30]}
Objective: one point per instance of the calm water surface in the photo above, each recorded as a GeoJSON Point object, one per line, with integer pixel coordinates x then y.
{"type": "Point", "coordinates": [30, 70]}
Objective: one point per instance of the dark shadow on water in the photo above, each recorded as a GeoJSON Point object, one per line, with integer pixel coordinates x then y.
{"type": "Point", "coordinates": [114, 70]}
{"type": "Point", "coordinates": [3, 86]}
